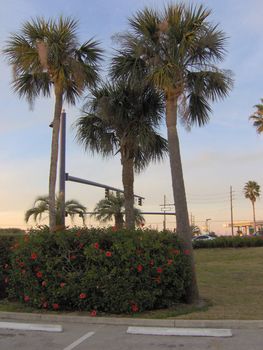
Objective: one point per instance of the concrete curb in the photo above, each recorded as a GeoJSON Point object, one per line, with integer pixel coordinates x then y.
{"type": "Point", "coordinates": [120, 321]}
{"type": "Point", "coordinates": [31, 327]}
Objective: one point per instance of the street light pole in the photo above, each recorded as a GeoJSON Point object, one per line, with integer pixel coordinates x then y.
{"type": "Point", "coordinates": [206, 225]}
{"type": "Point", "coordinates": [62, 166]}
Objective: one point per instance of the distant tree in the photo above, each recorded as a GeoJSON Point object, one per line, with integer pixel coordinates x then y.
{"type": "Point", "coordinates": [123, 119]}
{"type": "Point", "coordinates": [257, 117]}
{"type": "Point", "coordinates": [46, 57]}
{"type": "Point", "coordinates": [41, 206]}
{"type": "Point", "coordinates": [113, 208]}
{"type": "Point", "coordinates": [252, 192]}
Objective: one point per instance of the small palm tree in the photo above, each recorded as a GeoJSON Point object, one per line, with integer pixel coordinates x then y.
{"type": "Point", "coordinates": [113, 207]}
{"type": "Point", "coordinates": [252, 192]}
{"type": "Point", "coordinates": [46, 57]}
{"type": "Point", "coordinates": [124, 119]}
{"type": "Point", "coordinates": [257, 117]}
{"type": "Point", "coordinates": [41, 206]}
{"type": "Point", "coordinates": [177, 50]}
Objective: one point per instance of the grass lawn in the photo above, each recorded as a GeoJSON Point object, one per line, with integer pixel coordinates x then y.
{"type": "Point", "coordinates": [230, 281]}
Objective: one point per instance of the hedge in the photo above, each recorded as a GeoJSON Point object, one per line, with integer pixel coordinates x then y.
{"type": "Point", "coordinates": [5, 244]}
{"type": "Point", "coordinates": [230, 242]}
{"type": "Point", "coordinates": [99, 270]}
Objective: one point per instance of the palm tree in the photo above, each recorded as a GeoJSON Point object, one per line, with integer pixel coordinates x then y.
{"type": "Point", "coordinates": [113, 207]}
{"type": "Point", "coordinates": [46, 54]}
{"type": "Point", "coordinates": [177, 49]}
{"type": "Point", "coordinates": [252, 192]}
{"type": "Point", "coordinates": [257, 117]}
{"type": "Point", "coordinates": [41, 206]}
{"type": "Point", "coordinates": [122, 119]}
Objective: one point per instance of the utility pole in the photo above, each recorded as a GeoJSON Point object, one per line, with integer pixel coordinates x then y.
{"type": "Point", "coordinates": [164, 216]}
{"type": "Point", "coordinates": [231, 209]}
{"type": "Point", "coordinates": [62, 166]}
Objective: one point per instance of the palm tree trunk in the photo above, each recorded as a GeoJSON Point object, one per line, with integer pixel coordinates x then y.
{"type": "Point", "coordinates": [128, 180]}
{"type": "Point", "coordinates": [254, 216]}
{"type": "Point", "coordinates": [119, 221]}
{"type": "Point", "coordinates": [182, 219]}
{"type": "Point", "coordinates": [54, 159]}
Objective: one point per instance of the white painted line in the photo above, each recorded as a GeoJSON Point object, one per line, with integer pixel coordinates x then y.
{"type": "Point", "coordinates": [187, 332]}
{"type": "Point", "coordinates": [31, 326]}
{"type": "Point", "coordinates": [79, 341]}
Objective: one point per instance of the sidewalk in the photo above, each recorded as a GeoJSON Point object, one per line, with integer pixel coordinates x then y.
{"type": "Point", "coordinates": [234, 324]}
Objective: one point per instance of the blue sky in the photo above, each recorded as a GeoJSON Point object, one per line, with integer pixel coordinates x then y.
{"type": "Point", "coordinates": [225, 152]}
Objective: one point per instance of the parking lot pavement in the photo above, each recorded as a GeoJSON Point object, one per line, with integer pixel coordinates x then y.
{"type": "Point", "coordinates": [79, 336]}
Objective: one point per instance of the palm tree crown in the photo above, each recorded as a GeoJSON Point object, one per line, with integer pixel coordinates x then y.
{"type": "Point", "coordinates": [252, 190]}
{"type": "Point", "coordinates": [41, 206]}
{"type": "Point", "coordinates": [257, 117]}
{"type": "Point", "coordinates": [124, 119]}
{"type": "Point", "coordinates": [113, 207]}
{"type": "Point", "coordinates": [47, 54]}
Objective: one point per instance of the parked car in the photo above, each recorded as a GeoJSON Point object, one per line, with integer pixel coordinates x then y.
{"type": "Point", "coordinates": [203, 238]}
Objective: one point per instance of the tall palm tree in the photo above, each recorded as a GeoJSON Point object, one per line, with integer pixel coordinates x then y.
{"type": "Point", "coordinates": [257, 117]}
{"type": "Point", "coordinates": [113, 207]}
{"type": "Point", "coordinates": [121, 119]}
{"type": "Point", "coordinates": [41, 206]}
{"type": "Point", "coordinates": [177, 49]}
{"type": "Point", "coordinates": [46, 56]}
{"type": "Point", "coordinates": [252, 192]}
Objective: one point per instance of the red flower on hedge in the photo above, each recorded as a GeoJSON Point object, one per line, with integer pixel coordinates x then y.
{"type": "Point", "coordinates": [139, 268]}
{"type": "Point", "coordinates": [93, 313]}
{"type": "Point", "coordinates": [81, 245]}
{"type": "Point", "coordinates": [72, 257]}
{"type": "Point", "coordinates": [33, 256]}
{"type": "Point", "coordinates": [96, 245]}
{"type": "Point", "coordinates": [78, 234]}
{"type": "Point", "coordinates": [39, 274]}
{"type": "Point", "coordinates": [45, 304]}
{"type": "Point", "coordinates": [26, 298]}
{"type": "Point", "coordinates": [151, 262]}
{"type": "Point", "coordinates": [44, 283]}
{"type": "Point", "coordinates": [62, 284]}
{"type": "Point", "coordinates": [176, 251]}
{"type": "Point", "coordinates": [134, 308]}
{"type": "Point", "coordinates": [55, 306]}
{"type": "Point", "coordinates": [169, 261]}
{"type": "Point", "coordinates": [108, 254]}
{"type": "Point", "coordinates": [187, 252]}
{"type": "Point", "coordinates": [83, 296]}
{"type": "Point", "coordinates": [21, 264]}
{"type": "Point", "coordinates": [159, 270]}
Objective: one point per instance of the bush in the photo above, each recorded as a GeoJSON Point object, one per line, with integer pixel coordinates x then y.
{"type": "Point", "coordinates": [99, 270]}
{"type": "Point", "coordinates": [230, 242]}
{"type": "Point", "coordinates": [5, 245]}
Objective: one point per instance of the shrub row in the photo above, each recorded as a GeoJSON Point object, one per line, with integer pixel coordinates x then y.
{"type": "Point", "coordinates": [98, 270]}
{"type": "Point", "coordinates": [230, 242]}
{"type": "Point", "coordinates": [5, 244]}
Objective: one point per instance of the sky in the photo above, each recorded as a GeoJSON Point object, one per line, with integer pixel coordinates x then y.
{"type": "Point", "coordinates": [226, 152]}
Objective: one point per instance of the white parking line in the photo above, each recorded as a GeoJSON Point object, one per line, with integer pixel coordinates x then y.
{"type": "Point", "coordinates": [31, 326]}
{"type": "Point", "coordinates": [189, 332]}
{"type": "Point", "coordinates": [79, 341]}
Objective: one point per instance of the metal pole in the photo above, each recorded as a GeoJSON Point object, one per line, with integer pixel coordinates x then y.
{"type": "Point", "coordinates": [231, 208]}
{"type": "Point", "coordinates": [62, 166]}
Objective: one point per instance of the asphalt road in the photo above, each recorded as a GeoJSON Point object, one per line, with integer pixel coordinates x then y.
{"type": "Point", "coordinates": [79, 336]}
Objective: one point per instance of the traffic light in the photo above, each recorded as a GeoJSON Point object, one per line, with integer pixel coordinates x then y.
{"type": "Point", "coordinates": [107, 193]}
{"type": "Point", "coordinates": [140, 201]}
